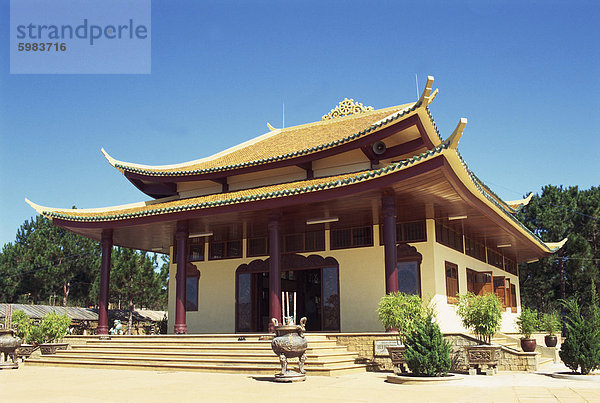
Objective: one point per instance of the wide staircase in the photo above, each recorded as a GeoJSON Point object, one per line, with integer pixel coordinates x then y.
{"type": "Point", "coordinates": [547, 355]}
{"type": "Point", "coordinates": [225, 353]}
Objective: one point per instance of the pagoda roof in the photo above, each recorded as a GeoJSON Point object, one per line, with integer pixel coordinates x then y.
{"type": "Point", "coordinates": [444, 157]}
{"type": "Point", "coordinates": [290, 143]}
{"type": "Point", "coordinates": [157, 207]}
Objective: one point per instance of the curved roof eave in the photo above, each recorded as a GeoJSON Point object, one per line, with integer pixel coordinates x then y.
{"type": "Point", "coordinates": [186, 169]}
{"type": "Point", "coordinates": [132, 211]}
{"type": "Point", "coordinates": [473, 185]}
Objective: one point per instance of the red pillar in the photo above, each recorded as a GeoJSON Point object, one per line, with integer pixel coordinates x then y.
{"type": "Point", "coordinates": [274, 271]}
{"type": "Point", "coordinates": [181, 241]}
{"type": "Point", "coordinates": [106, 244]}
{"type": "Point", "coordinates": [389, 243]}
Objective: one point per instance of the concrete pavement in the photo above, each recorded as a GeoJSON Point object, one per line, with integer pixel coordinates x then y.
{"type": "Point", "coordinates": [49, 384]}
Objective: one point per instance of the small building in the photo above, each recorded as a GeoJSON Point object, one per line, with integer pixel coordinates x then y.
{"type": "Point", "coordinates": [341, 211]}
{"type": "Point", "coordinates": [84, 320]}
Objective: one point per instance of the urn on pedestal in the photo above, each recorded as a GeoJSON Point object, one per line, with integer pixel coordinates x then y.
{"type": "Point", "coordinates": [8, 349]}
{"type": "Point", "coordinates": [289, 342]}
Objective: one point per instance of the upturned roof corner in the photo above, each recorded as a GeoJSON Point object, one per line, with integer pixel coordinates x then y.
{"type": "Point", "coordinates": [555, 246]}
{"type": "Point", "coordinates": [519, 204]}
{"type": "Point", "coordinates": [39, 209]}
{"type": "Point", "coordinates": [457, 133]}
{"type": "Point", "coordinates": [111, 160]}
{"type": "Point", "coordinates": [427, 96]}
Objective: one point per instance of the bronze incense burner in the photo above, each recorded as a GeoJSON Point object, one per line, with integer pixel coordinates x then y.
{"type": "Point", "coordinates": [289, 342]}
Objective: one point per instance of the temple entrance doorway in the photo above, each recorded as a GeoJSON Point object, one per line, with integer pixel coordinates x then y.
{"type": "Point", "coordinates": [316, 288]}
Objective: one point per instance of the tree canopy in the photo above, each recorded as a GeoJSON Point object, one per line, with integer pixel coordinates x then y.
{"type": "Point", "coordinates": [47, 263]}
{"type": "Point", "coordinates": [556, 213]}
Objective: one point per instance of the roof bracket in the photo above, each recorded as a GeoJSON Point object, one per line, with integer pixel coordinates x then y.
{"type": "Point", "coordinates": [368, 152]}
{"type": "Point", "coordinates": [223, 183]}
{"type": "Point", "coordinates": [307, 166]}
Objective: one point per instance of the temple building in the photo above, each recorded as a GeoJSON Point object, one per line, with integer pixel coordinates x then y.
{"type": "Point", "coordinates": [341, 211]}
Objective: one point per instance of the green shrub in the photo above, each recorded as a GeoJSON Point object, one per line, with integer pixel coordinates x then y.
{"type": "Point", "coordinates": [481, 314]}
{"type": "Point", "coordinates": [36, 334]}
{"type": "Point", "coordinates": [400, 311]}
{"type": "Point", "coordinates": [427, 353]}
{"type": "Point", "coordinates": [581, 348]}
{"type": "Point", "coordinates": [22, 325]}
{"type": "Point", "coordinates": [550, 323]}
{"type": "Point", "coordinates": [527, 322]}
{"type": "Point", "coordinates": [52, 328]}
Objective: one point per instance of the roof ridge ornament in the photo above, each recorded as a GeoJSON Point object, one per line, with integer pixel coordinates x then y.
{"type": "Point", "coordinates": [427, 96]}
{"type": "Point", "coordinates": [456, 135]}
{"type": "Point", "coordinates": [345, 108]}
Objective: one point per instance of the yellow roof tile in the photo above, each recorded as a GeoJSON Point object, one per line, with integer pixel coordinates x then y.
{"type": "Point", "coordinates": [277, 144]}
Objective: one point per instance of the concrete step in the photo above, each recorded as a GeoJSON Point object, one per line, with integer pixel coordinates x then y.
{"type": "Point", "coordinates": [545, 361]}
{"type": "Point", "coordinates": [78, 339]}
{"type": "Point", "coordinates": [191, 343]}
{"type": "Point", "coordinates": [263, 369]}
{"type": "Point", "coordinates": [204, 348]}
{"type": "Point", "coordinates": [270, 361]}
{"type": "Point", "coordinates": [210, 353]}
{"type": "Point", "coordinates": [311, 354]}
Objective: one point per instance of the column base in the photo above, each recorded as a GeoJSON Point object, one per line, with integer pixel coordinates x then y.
{"type": "Point", "coordinates": [102, 330]}
{"type": "Point", "coordinates": [180, 329]}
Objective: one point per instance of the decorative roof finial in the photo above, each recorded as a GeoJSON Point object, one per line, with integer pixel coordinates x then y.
{"type": "Point", "coordinates": [456, 135]}
{"type": "Point", "coordinates": [345, 108]}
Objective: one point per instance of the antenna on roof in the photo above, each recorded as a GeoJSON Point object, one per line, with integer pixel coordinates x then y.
{"type": "Point", "coordinates": [417, 83]}
{"type": "Point", "coordinates": [283, 111]}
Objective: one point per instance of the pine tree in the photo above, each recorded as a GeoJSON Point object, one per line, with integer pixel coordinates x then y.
{"type": "Point", "coordinates": [427, 353]}
{"type": "Point", "coordinates": [581, 349]}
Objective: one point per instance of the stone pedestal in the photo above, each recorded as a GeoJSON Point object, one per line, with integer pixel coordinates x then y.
{"type": "Point", "coordinates": [482, 358]}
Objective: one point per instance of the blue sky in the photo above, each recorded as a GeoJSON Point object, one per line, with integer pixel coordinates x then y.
{"type": "Point", "coordinates": [525, 74]}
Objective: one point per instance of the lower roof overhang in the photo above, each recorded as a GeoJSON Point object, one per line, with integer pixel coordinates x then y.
{"type": "Point", "coordinates": [435, 188]}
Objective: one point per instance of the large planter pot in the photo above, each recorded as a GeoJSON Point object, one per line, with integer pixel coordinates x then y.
{"type": "Point", "coordinates": [26, 350]}
{"type": "Point", "coordinates": [8, 349]}
{"type": "Point", "coordinates": [51, 348]}
{"type": "Point", "coordinates": [289, 342]}
{"type": "Point", "coordinates": [482, 358]}
{"type": "Point", "coordinates": [551, 340]}
{"type": "Point", "coordinates": [528, 345]}
{"type": "Point", "coordinates": [409, 379]}
{"type": "Point", "coordinates": [397, 357]}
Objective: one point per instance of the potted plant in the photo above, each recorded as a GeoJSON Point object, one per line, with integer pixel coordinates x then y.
{"type": "Point", "coordinates": [551, 325]}
{"type": "Point", "coordinates": [399, 312]}
{"type": "Point", "coordinates": [482, 315]}
{"type": "Point", "coordinates": [50, 331]}
{"type": "Point", "coordinates": [527, 323]}
{"type": "Point", "coordinates": [427, 353]}
{"type": "Point", "coordinates": [21, 323]}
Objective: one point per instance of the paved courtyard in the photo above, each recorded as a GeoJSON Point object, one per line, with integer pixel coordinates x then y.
{"type": "Point", "coordinates": [47, 384]}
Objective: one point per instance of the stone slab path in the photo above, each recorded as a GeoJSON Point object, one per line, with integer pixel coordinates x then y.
{"type": "Point", "coordinates": [47, 384]}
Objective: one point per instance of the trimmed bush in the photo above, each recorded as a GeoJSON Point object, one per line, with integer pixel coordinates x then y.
{"type": "Point", "coordinates": [550, 323]}
{"type": "Point", "coordinates": [581, 349]}
{"type": "Point", "coordinates": [400, 311]}
{"type": "Point", "coordinates": [52, 328]}
{"type": "Point", "coordinates": [527, 322]}
{"type": "Point", "coordinates": [22, 325]}
{"type": "Point", "coordinates": [481, 314]}
{"type": "Point", "coordinates": [427, 353]}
